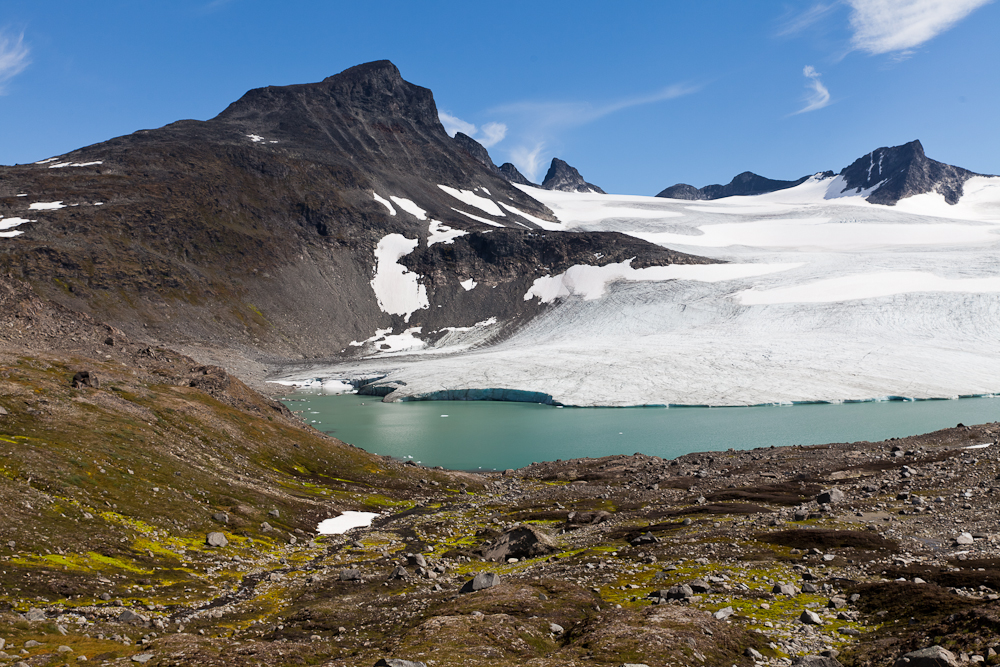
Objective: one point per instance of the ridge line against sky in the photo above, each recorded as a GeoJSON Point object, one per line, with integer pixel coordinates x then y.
{"type": "Point", "coordinates": [637, 98]}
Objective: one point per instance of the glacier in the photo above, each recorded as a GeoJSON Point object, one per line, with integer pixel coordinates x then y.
{"type": "Point", "coordinates": [825, 298]}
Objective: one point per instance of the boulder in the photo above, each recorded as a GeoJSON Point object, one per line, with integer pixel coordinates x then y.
{"type": "Point", "coordinates": [700, 586]}
{"type": "Point", "coordinates": [85, 379]}
{"type": "Point", "coordinates": [216, 539]}
{"type": "Point", "coordinates": [129, 616]}
{"type": "Point", "coordinates": [784, 589]}
{"type": "Point", "coordinates": [724, 613]}
{"type": "Point", "coordinates": [964, 539]}
{"type": "Point", "coordinates": [830, 496]}
{"type": "Point", "coordinates": [520, 542]}
{"type": "Point", "coordinates": [933, 656]}
{"type": "Point", "coordinates": [35, 615]}
{"type": "Point", "coordinates": [399, 573]}
{"type": "Point", "coordinates": [481, 581]}
{"type": "Point", "coordinates": [816, 661]}
{"type": "Point", "coordinates": [645, 538]}
{"type": "Point", "coordinates": [396, 662]}
{"type": "Point", "coordinates": [221, 517]}
{"type": "Point", "coordinates": [810, 617]}
{"type": "Point", "coordinates": [681, 592]}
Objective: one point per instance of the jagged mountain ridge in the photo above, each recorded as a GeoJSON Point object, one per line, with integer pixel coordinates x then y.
{"type": "Point", "coordinates": [565, 178]}
{"type": "Point", "coordinates": [887, 174]}
{"type": "Point", "coordinates": [257, 230]}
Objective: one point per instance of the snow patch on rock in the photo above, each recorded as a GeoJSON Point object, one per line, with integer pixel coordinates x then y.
{"type": "Point", "coordinates": [396, 287]}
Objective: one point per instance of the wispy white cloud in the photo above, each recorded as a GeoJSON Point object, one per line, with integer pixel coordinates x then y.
{"type": "Point", "coordinates": [887, 26]}
{"type": "Point", "coordinates": [528, 160]}
{"type": "Point", "coordinates": [818, 96]}
{"type": "Point", "coordinates": [13, 58]}
{"type": "Point", "coordinates": [492, 134]}
{"type": "Point", "coordinates": [488, 135]}
{"type": "Point", "coordinates": [794, 23]}
{"type": "Point", "coordinates": [551, 115]}
{"type": "Point", "coordinates": [537, 124]}
{"type": "Point", "coordinates": [453, 124]}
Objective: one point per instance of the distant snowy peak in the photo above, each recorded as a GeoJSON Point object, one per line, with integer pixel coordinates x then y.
{"type": "Point", "coordinates": [904, 171]}
{"type": "Point", "coordinates": [747, 183]}
{"type": "Point", "coordinates": [565, 178]}
{"type": "Point", "coordinates": [884, 176]}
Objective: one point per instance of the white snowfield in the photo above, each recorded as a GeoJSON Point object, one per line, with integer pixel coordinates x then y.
{"type": "Point", "coordinates": [824, 297]}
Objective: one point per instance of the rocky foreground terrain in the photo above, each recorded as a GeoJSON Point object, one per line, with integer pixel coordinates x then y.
{"type": "Point", "coordinates": [161, 513]}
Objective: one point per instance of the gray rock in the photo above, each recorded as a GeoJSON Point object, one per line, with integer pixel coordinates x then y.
{"type": "Point", "coordinates": [523, 541]}
{"type": "Point", "coordinates": [556, 629]}
{"type": "Point", "coordinates": [816, 661]}
{"type": "Point", "coordinates": [416, 559]}
{"type": "Point", "coordinates": [836, 603]}
{"type": "Point", "coordinates": [396, 662]}
{"type": "Point", "coordinates": [753, 653]}
{"type": "Point", "coordinates": [2, 412]}
{"type": "Point", "coordinates": [810, 588]}
{"type": "Point", "coordinates": [142, 658]}
{"type": "Point", "coordinates": [724, 613]}
{"type": "Point", "coordinates": [964, 538]}
{"type": "Point", "coordinates": [129, 616]}
{"type": "Point", "coordinates": [700, 586]}
{"type": "Point", "coordinates": [634, 664]}
{"type": "Point", "coordinates": [31, 643]}
{"type": "Point", "coordinates": [64, 649]}
{"type": "Point", "coordinates": [3, 642]}
{"type": "Point", "coordinates": [216, 539]}
{"type": "Point", "coordinates": [399, 573]}
{"type": "Point", "coordinates": [850, 632]}
{"type": "Point", "coordinates": [274, 513]}
{"type": "Point", "coordinates": [784, 589]}
{"type": "Point", "coordinates": [933, 656]}
{"type": "Point", "coordinates": [351, 575]}
{"type": "Point", "coordinates": [810, 618]}
{"type": "Point", "coordinates": [681, 592]}
{"type": "Point", "coordinates": [830, 496]}
{"type": "Point", "coordinates": [266, 527]}
{"type": "Point", "coordinates": [221, 517]}
{"type": "Point", "coordinates": [645, 538]}
{"type": "Point", "coordinates": [35, 615]}
{"type": "Point", "coordinates": [481, 581]}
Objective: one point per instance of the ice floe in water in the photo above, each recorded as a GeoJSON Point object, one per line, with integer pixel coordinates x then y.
{"type": "Point", "coordinates": [339, 525]}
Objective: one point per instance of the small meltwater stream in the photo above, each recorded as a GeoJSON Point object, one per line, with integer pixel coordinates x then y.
{"type": "Point", "coordinates": [488, 435]}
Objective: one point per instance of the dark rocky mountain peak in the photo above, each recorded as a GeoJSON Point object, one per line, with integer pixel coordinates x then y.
{"type": "Point", "coordinates": [903, 171]}
{"type": "Point", "coordinates": [565, 178]}
{"type": "Point", "coordinates": [747, 183]}
{"type": "Point", "coordinates": [510, 172]}
{"type": "Point", "coordinates": [476, 150]}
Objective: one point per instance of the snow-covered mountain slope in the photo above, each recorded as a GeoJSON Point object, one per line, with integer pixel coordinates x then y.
{"type": "Point", "coordinates": [825, 297]}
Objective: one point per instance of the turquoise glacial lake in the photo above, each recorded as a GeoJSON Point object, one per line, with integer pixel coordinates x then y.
{"type": "Point", "coordinates": [473, 435]}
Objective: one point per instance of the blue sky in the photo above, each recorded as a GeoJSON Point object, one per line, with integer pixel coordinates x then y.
{"type": "Point", "coordinates": [637, 95]}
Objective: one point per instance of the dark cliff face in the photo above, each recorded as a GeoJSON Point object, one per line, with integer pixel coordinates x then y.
{"type": "Point", "coordinates": [747, 183]}
{"type": "Point", "coordinates": [904, 171]}
{"type": "Point", "coordinates": [256, 230]}
{"type": "Point", "coordinates": [510, 172]}
{"type": "Point", "coordinates": [477, 151]}
{"type": "Point", "coordinates": [565, 178]}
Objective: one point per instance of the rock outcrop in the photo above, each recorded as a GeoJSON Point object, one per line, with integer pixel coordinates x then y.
{"type": "Point", "coordinates": [565, 178]}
